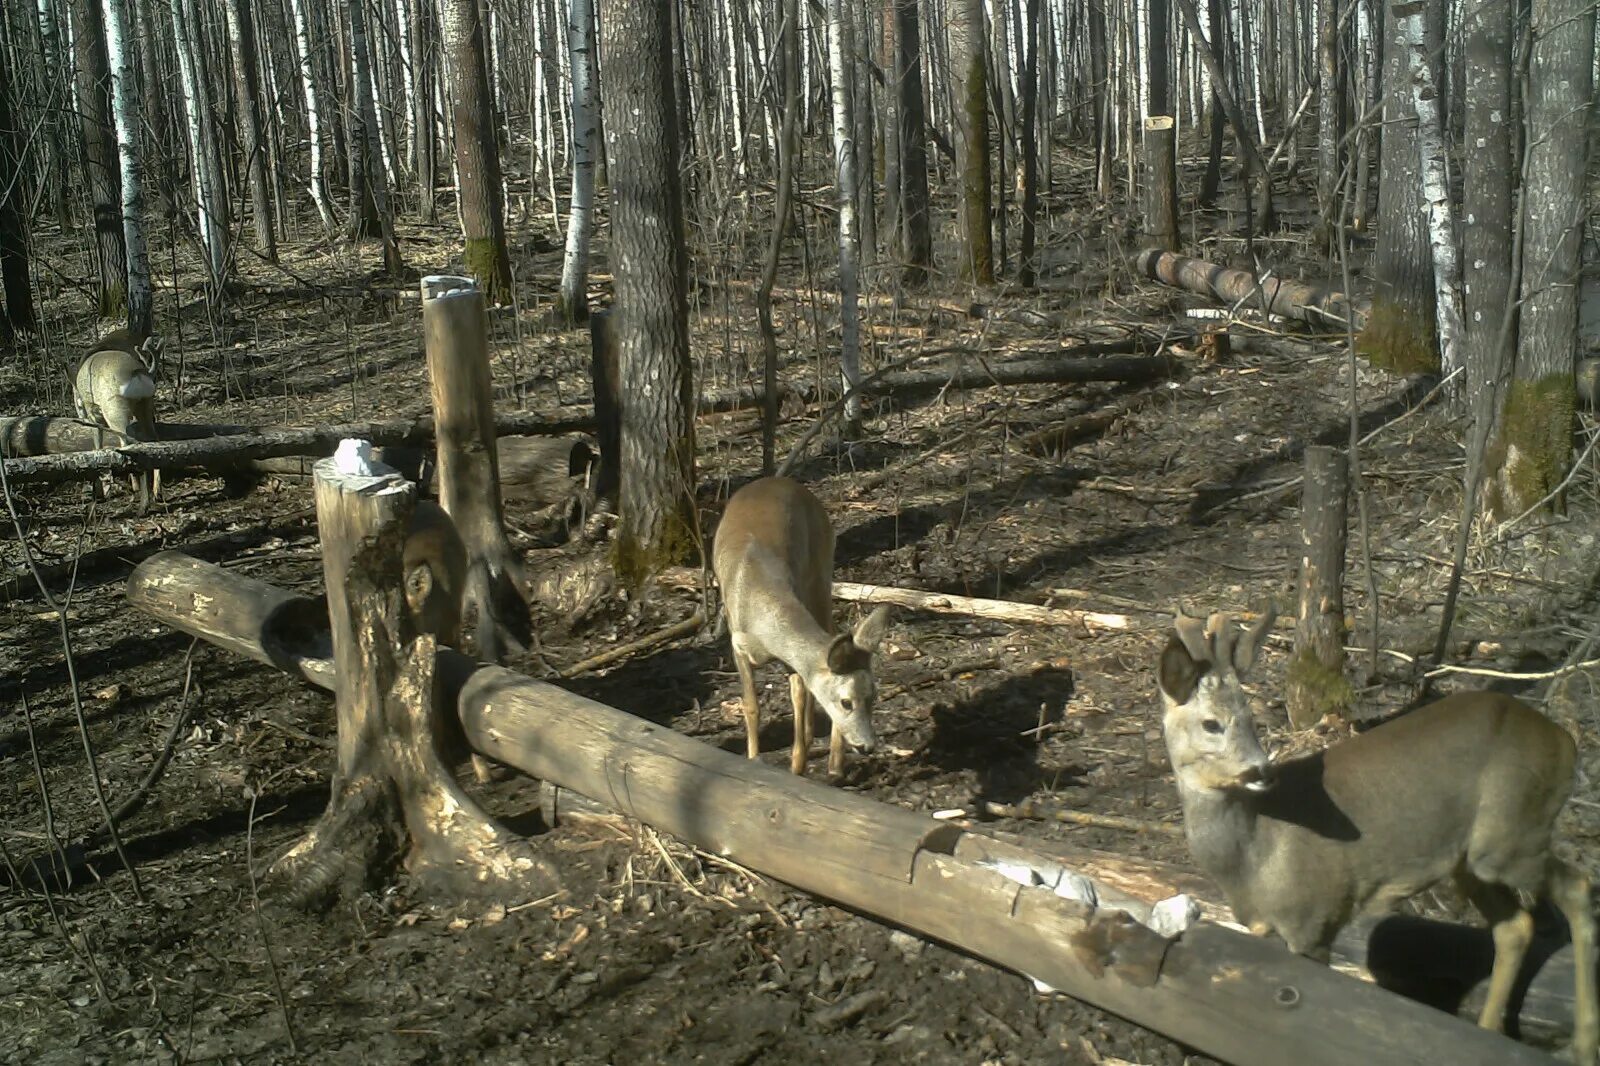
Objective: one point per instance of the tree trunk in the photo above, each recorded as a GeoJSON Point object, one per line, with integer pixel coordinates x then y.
{"type": "Point", "coordinates": [14, 281]}
{"type": "Point", "coordinates": [639, 104]}
{"type": "Point", "coordinates": [455, 331]}
{"type": "Point", "coordinates": [846, 182]}
{"type": "Point", "coordinates": [1211, 182]}
{"type": "Point", "coordinates": [1160, 134]}
{"type": "Point", "coordinates": [1026, 271]}
{"type": "Point", "coordinates": [969, 88]}
{"type": "Point", "coordinates": [394, 798]}
{"type": "Point", "coordinates": [100, 156]}
{"type": "Point", "coordinates": [1332, 117]}
{"type": "Point", "coordinates": [1488, 176]}
{"type": "Point", "coordinates": [1400, 334]}
{"type": "Point", "coordinates": [477, 151]}
{"type": "Point", "coordinates": [247, 90]}
{"type": "Point", "coordinates": [125, 106]}
{"type": "Point", "coordinates": [789, 64]}
{"type": "Point", "coordinates": [423, 73]}
{"type": "Point", "coordinates": [308, 85]}
{"type": "Point", "coordinates": [371, 213]}
{"type": "Point", "coordinates": [1435, 187]}
{"type": "Point", "coordinates": [572, 302]}
{"type": "Point", "coordinates": [1316, 682]}
{"type": "Point", "coordinates": [1535, 446]}
{"type": "Point", "coordinates": [210, 196]}
{"type": "Point", "coordinates": [917, 242]}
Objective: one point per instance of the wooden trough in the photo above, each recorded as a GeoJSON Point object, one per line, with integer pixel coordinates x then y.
{"type": "Point", "coordinates": [1235, 997]}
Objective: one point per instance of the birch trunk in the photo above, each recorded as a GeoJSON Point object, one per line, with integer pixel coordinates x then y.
{"type": "Point", "coordinates": [847, 178]}
{"type": "Point", "coordinates": [125, 109]}
{"type": "Point", "coordinates": [247, 89]}
{"type": "Point", "coordinates": [308, 84]}
{"type": "Point", "coordinates": [572, 301]}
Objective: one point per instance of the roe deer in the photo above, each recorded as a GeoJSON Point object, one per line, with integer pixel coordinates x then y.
{"type": "Point", "coordinates": [434, 565]}
{"type": "Point", "coordinates": [115, 390]}
{"type": "Point", "coordinates": [773, 558]}
{"type": "Point", "coordinates": [1468, 787]}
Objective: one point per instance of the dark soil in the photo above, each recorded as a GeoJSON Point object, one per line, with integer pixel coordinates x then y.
{"type": "Point", "coordinates": [652, 952]}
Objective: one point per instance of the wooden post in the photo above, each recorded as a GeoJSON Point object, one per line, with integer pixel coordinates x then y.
{"type": "Point", "coordinates": [1161, 181]}
{"type": "Point", "coordinates": [1317, 685]}
{"type": "Point", "coordinates": [391, 786]}
{"type": "Point", "coordinates": [455, 326]}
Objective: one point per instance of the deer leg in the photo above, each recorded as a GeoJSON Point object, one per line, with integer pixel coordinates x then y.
{"type": "Point", "coordinates": [1569, 891]}
{"type": "Point", "coordinates": [1512, 928]}
{"type": "Point", "coordinates": [836, 751]}
{"type": "Point", "coordinates": [752, 709]}
{"type": "Point", "coordinates": [800, 696]}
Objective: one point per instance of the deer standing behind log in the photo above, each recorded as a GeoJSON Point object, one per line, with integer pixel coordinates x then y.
{"type": "Point", "coordinates": [434, 565]}
{"type": "Point", "coordinates": [114, 389]}
{"type": "Point", "coordinates": [1468, 787]}
{"type": "Point", "coordinates": [773, 557]}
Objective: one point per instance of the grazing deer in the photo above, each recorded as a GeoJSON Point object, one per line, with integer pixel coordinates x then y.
{"type": "Point", "coordinates": [434, 565]}
{"type": "Point", "coordinates": [1468, 787]}
{"type": "Point", "coordinates": [114, 389]}
{"type": "Point", "coordinates": [773, 557]}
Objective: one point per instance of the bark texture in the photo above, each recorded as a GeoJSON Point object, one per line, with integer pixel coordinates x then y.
{"type": "Point", "coordinates": [477, 151]}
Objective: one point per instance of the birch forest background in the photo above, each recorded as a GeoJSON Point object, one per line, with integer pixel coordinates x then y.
{"type": "Point", "coordinates": [1067, 304]}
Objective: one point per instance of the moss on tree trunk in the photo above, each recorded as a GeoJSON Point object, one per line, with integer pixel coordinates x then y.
{"type": "Point", "coordinates": [1531, 455]}
{"type": "Point", "coordinates": [1399, 339]}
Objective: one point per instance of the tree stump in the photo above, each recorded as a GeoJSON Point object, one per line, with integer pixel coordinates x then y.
{"type": "Point", "coordinates": [1317, 684]}
{"type": "Point", "coordinates": [455, 329]}
{"type": "Point", "coordinates": [394, 797]}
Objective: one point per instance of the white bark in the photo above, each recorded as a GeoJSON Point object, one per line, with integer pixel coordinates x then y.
{"type": "Point", "coordinates": [125, 109]}
{"type": "Point", "coordinates": [319, 183]}
{"type": "Point", "coordinates": [202, 155]}
{"type": "Point", "coordinates": [1435, 187]}
{"type": "Point", "coordinates": [844, 157]}
{"type": "Point", "coordinates": [408, 85]}
{"type": "Point", "coordinates": [580, 222]}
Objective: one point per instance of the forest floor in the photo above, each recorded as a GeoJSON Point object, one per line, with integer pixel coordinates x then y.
{"type": "Point", "coordinates": [652, 952]}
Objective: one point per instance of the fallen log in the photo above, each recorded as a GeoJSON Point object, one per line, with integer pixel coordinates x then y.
{"type": "Point", "coordinates": [1319, 305]}
{"type": "Point", "coordinates": [938, 602]}
{"type": "Point", "coordinates": [1124, 359]}
{"type": "Point", "coordinates": [233, 449]}
{"type": "Point", "coordinates": [1238, 998]}
{"type": "Point", "coordinates": [999, 610]}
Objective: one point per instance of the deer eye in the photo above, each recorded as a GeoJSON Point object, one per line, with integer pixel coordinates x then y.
{"type": "Point", "coordinates": [847, 704]}
{"type": "Point", "coordinates": [1211, 725]}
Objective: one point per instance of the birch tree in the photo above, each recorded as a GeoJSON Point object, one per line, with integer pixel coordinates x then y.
{"type": "Point", "coordinates": [916, 238]}
{"type": "Point", "coordinates": [848, 195]}
{"type": "Point", "coordinates": [308, 85]}
{"type": "Point", "coordinates": [210, 197]}
{"type": "Point", "coordinates": [125, 108]}
{"type": "Point", "coordinates": [572, 301]}
{"type": "Point", "coordinates": [371, 214]}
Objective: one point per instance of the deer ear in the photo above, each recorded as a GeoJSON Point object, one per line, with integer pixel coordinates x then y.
{"type": "Point", "coordinates": [845, 658]}
{"type": "Point", "coordinates": [1179, 673]}
{"type": "Point", "coordinates": [1244, 655]}
{"type": "Point", "coordinates": [870, 630]}
{"type": "Point", "coordinates": [419, 585]}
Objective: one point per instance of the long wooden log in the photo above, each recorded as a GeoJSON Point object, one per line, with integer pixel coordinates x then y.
{"type": "Point", "coordinates": [253, 444]}
{"type": "Point", "coordinates": [1236, 997]}
{"type": "Point", "coordinates": [1001, 610]}
{"type": "Point", "coordinates": [1281, 296]}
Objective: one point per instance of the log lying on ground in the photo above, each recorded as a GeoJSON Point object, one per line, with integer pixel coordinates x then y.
{"type": "Point", "coordinates": [1292, 299]}
{"type": "Point", "coordinates": [1119, 360]}
{"type": "Point", "coordinates": [256, 444]}
{"type": "Point", "coordinates": [1236, 997]}
{"type": "Point", "coordinates": [939, 602]}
